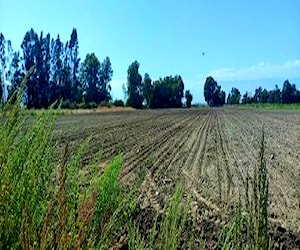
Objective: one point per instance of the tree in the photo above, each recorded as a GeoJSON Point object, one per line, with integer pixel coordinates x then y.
{"type": "Point", "coordinates": [265, 96]}
{"type": "Point", "coordinates": [16, 74]}
{"type": "Point", "coordinates": [189, 98]}
{"type": "Point", "coordinates": [56, 70]}
{"type": "Point", "coordinates": [43, 71]}
{"type": "Point", "coordinates": [257, 95]}
{"type": "Point", "coordinates": [74, 65]}
{"type": "Point", "coordinates": [29, 46]}
{"type": "Point", "coordinates": [289, 92]}
{"type": "Point", "coordinates": [36, 51]}
{"type": "Point", "coordinates": [213, 94]}
{"type": "Point", "coordinates": [134, 86]}
{"type": "Point", "coordinates": [90, 77]}
{"type": "Point", "coordinates": [1, 91]}
{"type": "Point", "coordinates": [275, 95]}
{"type": "Point", "coordinates": [148, 90]}
{"type": "Point", "coordinates": [221, 97]}
{"type": "Point", "coordinates": [234, 96]}
{"type": "Point", "coordinates": [168, 92]}
{"type": "Point", "coordinates": [298, 96]}
{"type": "Point", "coordinates": [106, 73]}
{"type": "Point", "coordinates": [66, 75]}
{"type": "Point", "coordinates": [2, 65]}
{"type": "Point", "coordinates": [247, 99]}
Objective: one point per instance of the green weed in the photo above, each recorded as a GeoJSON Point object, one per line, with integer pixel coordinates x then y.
{"type": "Point", "coordinates": [255, 217]}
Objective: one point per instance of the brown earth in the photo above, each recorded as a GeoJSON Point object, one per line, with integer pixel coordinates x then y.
{"type": "Point", "coordinates": [210, 150]}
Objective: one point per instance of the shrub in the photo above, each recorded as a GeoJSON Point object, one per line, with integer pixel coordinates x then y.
{"type": "Point", "coordinates": [105, 104]}
{"type": "Point", "coordinates": [118, 103]}
{"type": "Point", "coordinates": [80, 105]}
{"type": "Point", "coordinates": [42, 203]}
{"type": "Point", "coordinates": [67, 104]}
{"type": "Point", "coordinates": [91, 105]}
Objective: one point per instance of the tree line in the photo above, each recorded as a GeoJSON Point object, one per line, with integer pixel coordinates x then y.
{"type": "Point", "coordinates": [288, 94]}
{"type": "Point", "coordinates": [58, 72]}
{"type": "Point", "coordinates": [214, 96]}
{"type": "Point", "coordinates": [60, 75]}
{"type": "Point", "coordinates": [165, 92]}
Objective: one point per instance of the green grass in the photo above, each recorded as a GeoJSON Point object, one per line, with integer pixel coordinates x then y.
{"type": "Point", "coordinates": [174, 221]}
{"type": "Point", "coordinates": [169, 232]}
{"type": "Point", "coordinates": [272, 106]}
{"type": "Point", "coordinates": [42, 202]}
{"type": "Point", "coordinates": [254, 217]}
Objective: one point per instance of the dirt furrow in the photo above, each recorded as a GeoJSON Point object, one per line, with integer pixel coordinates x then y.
{"type": "Point", "coordinates": [158, 184]}
{"type": "Point", "coordinates": [210, 150]}
{"type": "Point", "coordinates": [156, 143]}
{"type": "Point", "coordinates": [284, 185]}
{"type": "Point", "coordinates": [193, 165]}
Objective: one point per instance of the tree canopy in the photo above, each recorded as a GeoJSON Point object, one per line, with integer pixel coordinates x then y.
{"type": "Point", "coordinates": [165, 92]}
{"type": "Point", "coordinates": [134, 86]}
{"type": "Point", "coordinates": [95, 78]}
{"type": "Point", "coordinates": [147, 90]}
{"type": "Point", "coordinates": [213, 94]}
{"type": "Point", "coordinates": [288, 94]}
{"type": "Point", "coordinates": [168, 92]}
{"type": "Point", "coordinates": [61, 75]}
{"type": "Point", "coordinates": [1, 91]}
{"type": "Point", "coordinates": [189, 98]}
{"type": "Point", "coordinates": [57, 75]}
{"type": "Point", "coordinates": [234, 96]}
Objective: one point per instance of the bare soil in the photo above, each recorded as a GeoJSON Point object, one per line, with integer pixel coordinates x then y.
{"type": "Point", "coordinates": [210, 150]}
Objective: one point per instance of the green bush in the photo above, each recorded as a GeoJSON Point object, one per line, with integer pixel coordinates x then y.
{"type": "Point", "coordinates": [106, 104]}
{"type": "Point", "coordinates": [80, 105]}
{"type": "Point", "coordinates": [118, 103]}
{"type": "Point", "coordinates": [91, 105]}
{"type": "Point", "coordinates": [67, 104]}
{"type": "Point", "coordinates": [42, 204]}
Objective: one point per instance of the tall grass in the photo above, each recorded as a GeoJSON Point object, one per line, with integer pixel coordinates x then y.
{"type": "Point", "coordinates": [174, 220]}
{"type": "Point", "coordinates": [249, 229]}
{"type": "Point", "coordinates": [25, 171]}
{"type": "Point", "coordinates": [170, 231]}
{"type": "Point", "coordinates": [48, 201]}
{"type": "Point", "coordinates": [271, 106]}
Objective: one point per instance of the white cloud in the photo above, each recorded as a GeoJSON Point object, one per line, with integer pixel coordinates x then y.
{"type": "Point", "coordinates": [288, 69]}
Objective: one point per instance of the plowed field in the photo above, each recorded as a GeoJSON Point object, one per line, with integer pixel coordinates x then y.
{"type": "Point", "coordinates": [211, 150]}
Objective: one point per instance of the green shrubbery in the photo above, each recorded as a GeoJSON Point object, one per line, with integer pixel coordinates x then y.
{"type": "Point", "coordinates": [42, 202]}
{"type": "Point", "coordinates": [118, 103]}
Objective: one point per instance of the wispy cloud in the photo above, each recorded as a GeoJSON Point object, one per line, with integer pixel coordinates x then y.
{"type": "Point", "coordinates": [288, 69]}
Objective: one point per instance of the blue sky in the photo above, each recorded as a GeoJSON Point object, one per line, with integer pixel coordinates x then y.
{"type": "Point", "coordinates": [245, 43]}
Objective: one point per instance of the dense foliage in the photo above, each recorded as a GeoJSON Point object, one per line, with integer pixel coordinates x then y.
{"type": "Point", "coordinates": [134, 86]}
{"type": "Point", "coordinates": [288, 94]}
{"type": "Point", "coordinates": [147, 90]}
{"type": "Point", "coordinates": [213, 94]}
{"type": "Point", "coordinates": [95, 78]}
{"type": "Point", "coordinates": [234, 96]}
{"type": "Point", "coordinates": [61, 77]}
{"type": "Point", "coordinates": [189, 98]}
{"type": "Point", "coordinates": [58, 73]}
{"type": "Point", "coordinates": [165, 92]}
